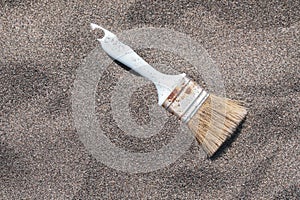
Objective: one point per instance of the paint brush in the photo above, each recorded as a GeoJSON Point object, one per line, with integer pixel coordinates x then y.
{"type": "Point", "coordinates": [212, 119]}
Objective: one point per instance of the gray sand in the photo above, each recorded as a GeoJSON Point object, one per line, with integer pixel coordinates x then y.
{"type": "Point", "coordinates": [255, 46]}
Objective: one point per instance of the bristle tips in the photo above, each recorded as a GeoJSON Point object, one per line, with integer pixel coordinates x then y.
{"type": "Point", "coordinates": [215, 122]}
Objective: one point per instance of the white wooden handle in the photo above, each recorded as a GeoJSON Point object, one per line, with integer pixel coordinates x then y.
{"type": "Point", "coordinates": [164, 83]}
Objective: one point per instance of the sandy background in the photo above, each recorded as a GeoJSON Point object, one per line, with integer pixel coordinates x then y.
{"type": "Point", "coordinates": [255, 44]}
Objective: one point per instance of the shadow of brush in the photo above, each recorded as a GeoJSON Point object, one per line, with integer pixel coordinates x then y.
{"type": "Point", "coordinates": [228, 142]}
{"type": "Point", "coordinates": [126, 68]}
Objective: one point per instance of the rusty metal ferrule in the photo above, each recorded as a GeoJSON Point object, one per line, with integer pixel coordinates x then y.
{"type": "Point", "coordinates": [185, 100]}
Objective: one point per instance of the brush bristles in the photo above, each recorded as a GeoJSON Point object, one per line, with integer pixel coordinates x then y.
{"type": "Point", "coordinates": [215, 121]}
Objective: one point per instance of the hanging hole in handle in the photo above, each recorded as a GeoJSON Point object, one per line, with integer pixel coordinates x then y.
{"type": "Point", "coordinates": [107, 34]}
{"type": "Point", "coordinates": [97, 31]}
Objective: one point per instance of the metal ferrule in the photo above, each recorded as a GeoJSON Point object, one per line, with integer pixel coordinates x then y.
{"type": "Point", "coordinates": [185, 100]}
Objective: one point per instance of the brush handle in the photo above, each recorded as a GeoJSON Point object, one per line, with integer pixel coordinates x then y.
{"type": "Point", "coordinates": [164, 83]}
